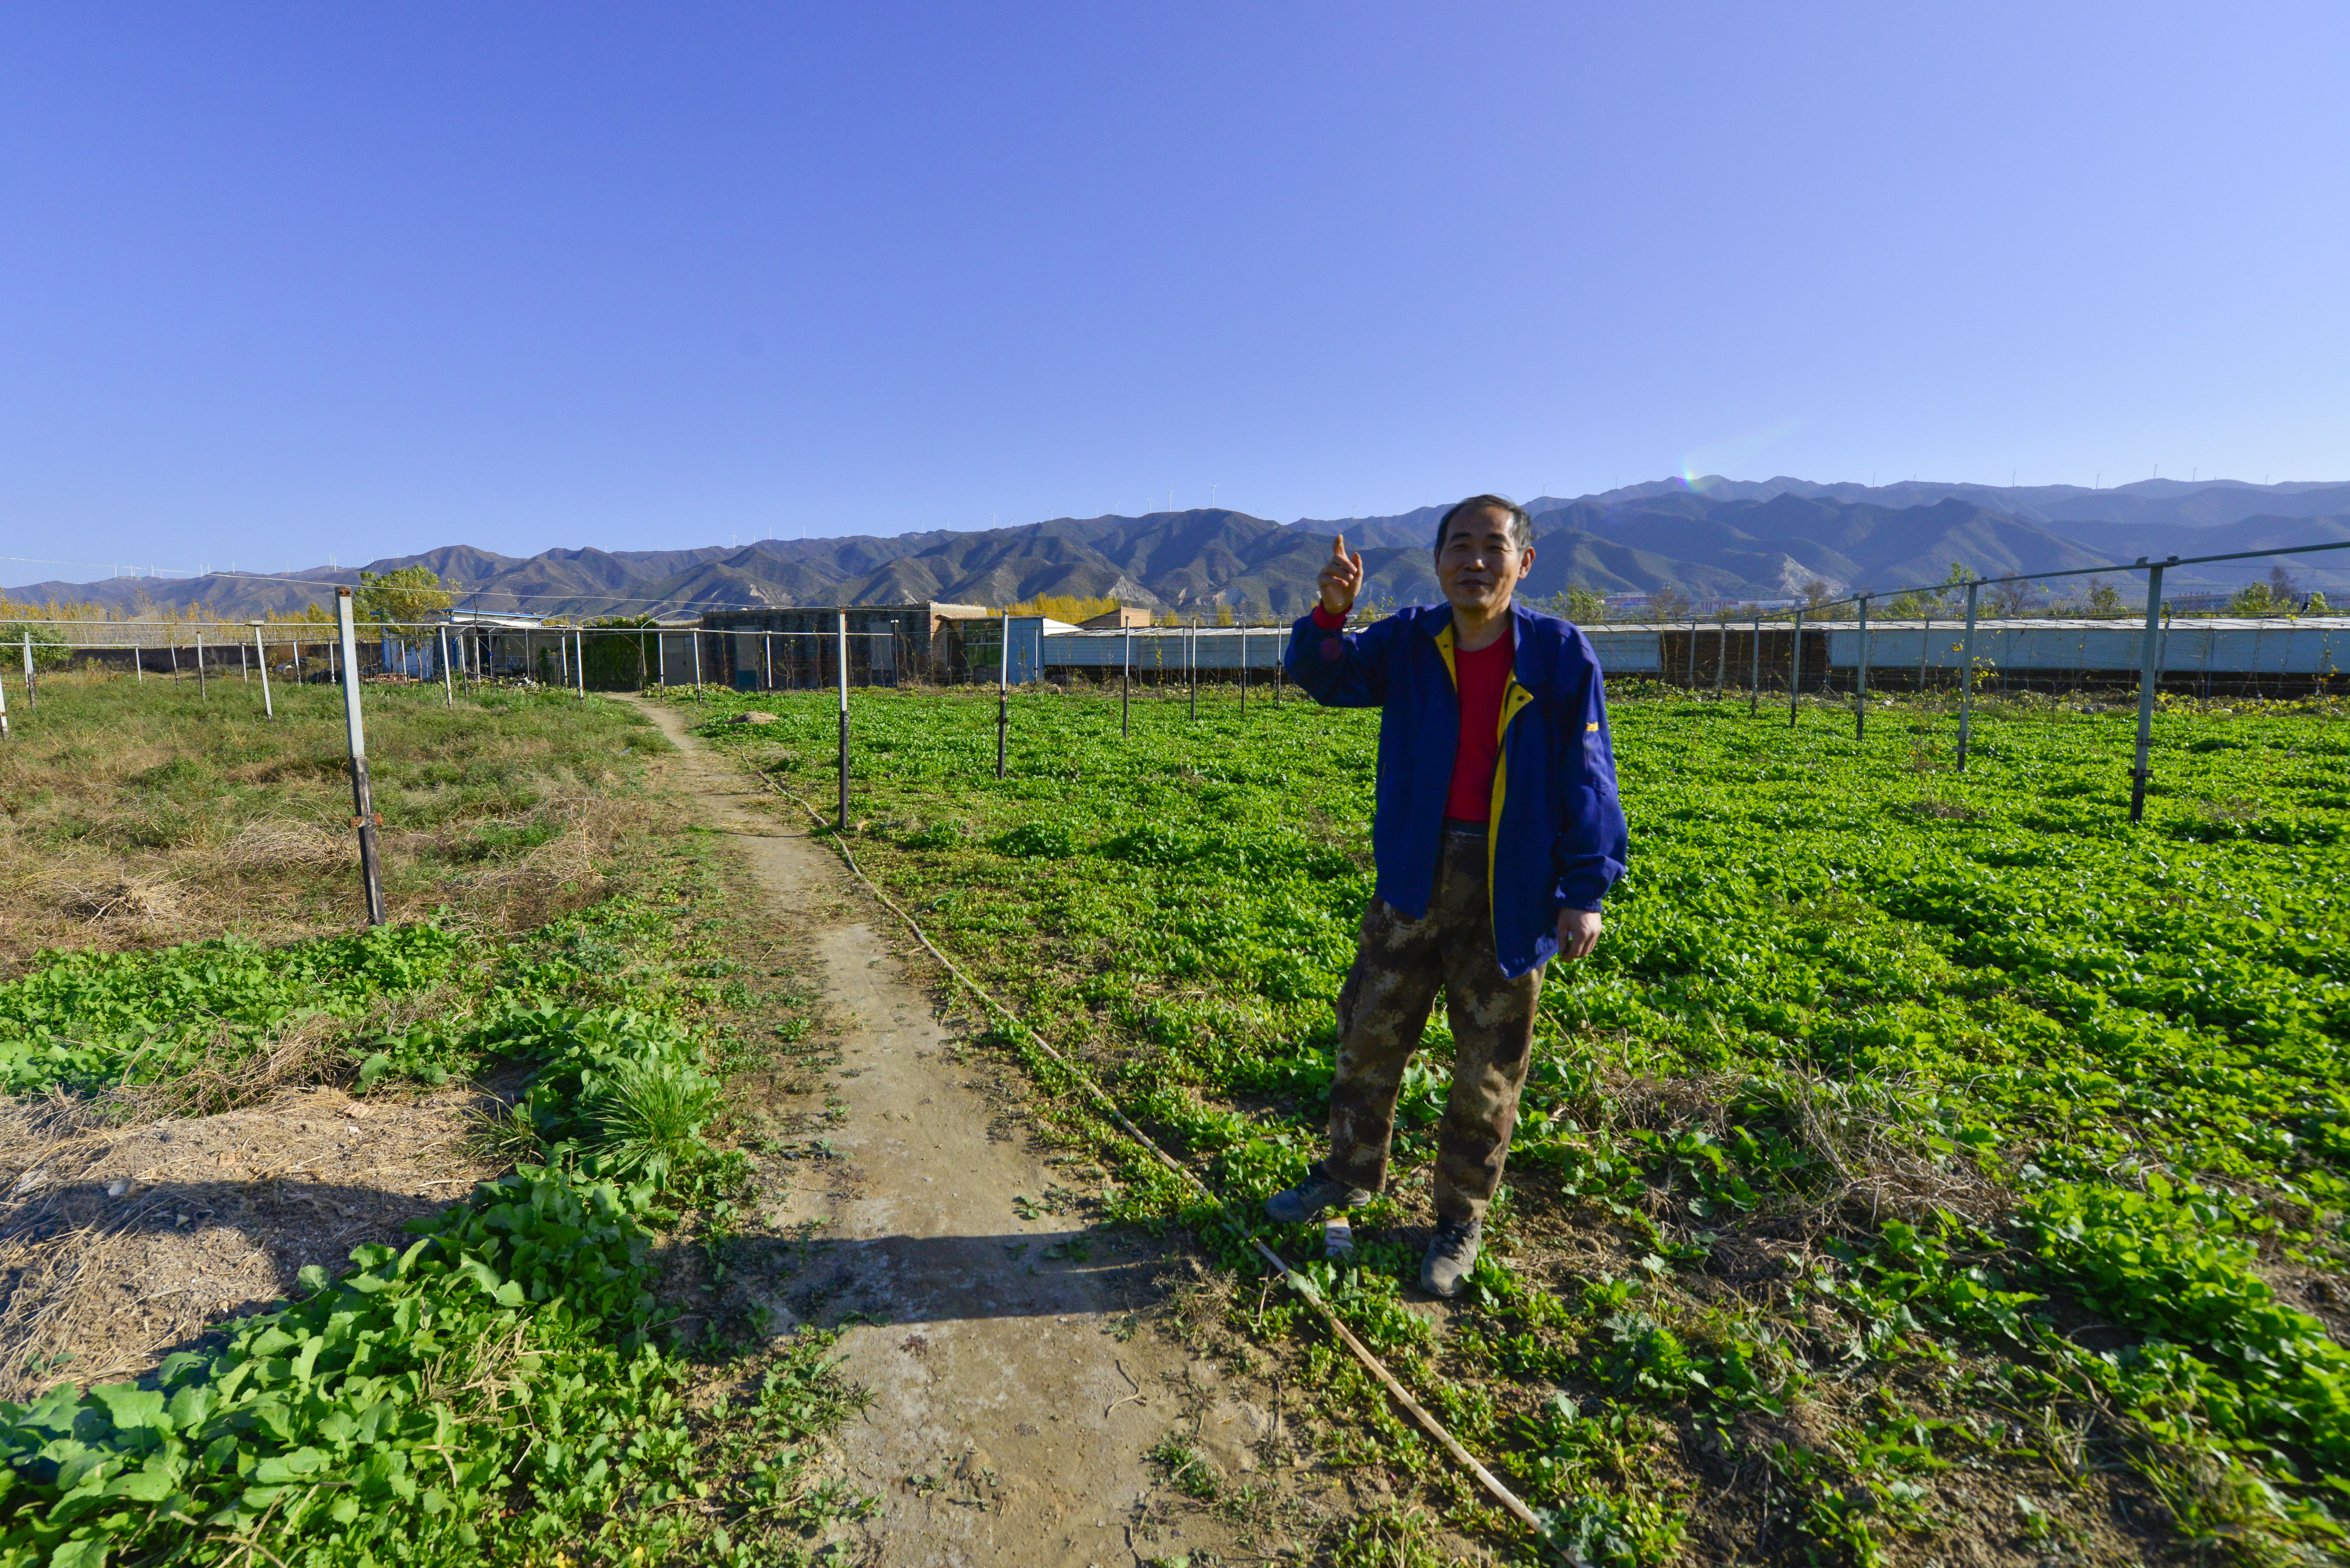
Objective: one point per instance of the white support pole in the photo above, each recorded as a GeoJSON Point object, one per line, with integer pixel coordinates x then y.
{"type": "Point", "coordinates": [32, 693]}
{"type": "Point", "coordinates": [1860, 679]}
{"type": "Point", "coordinates": [355, 729]}
{"type": "Point", "coordinates": [1003, 692]}
{"type": "Point", "coordinates": [579, 661]}
{"type": "Point", "coordinates": [244, 673]}
{"type": "Point", "coordinates": [1967, 679]}
{"type": "Point", "coordinates": [844, 717]}
{"type": "Point", "coordinates": [2150, 680]}
{"type": "Point", "coordinates": [696, 635]}
{"type": "Point", "coordinates": [447, 682]}
{"type": "Point", "coordinates": [261, 657]}
{"type": "Point", "coordinates": [661, 657]}
{"type": "Point", "coordinates": [203, 687]}
{"type": "Point", "coordinates": [4, 708]}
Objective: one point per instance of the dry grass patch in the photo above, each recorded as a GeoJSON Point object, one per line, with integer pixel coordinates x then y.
{"type": "Point", "coordinates": [139, 815]}
{"type": "Point", "coordinates": [122, 1240]}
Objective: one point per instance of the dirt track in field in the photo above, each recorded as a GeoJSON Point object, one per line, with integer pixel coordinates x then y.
{"type": "Point", "coordinates": [1014, 1392]}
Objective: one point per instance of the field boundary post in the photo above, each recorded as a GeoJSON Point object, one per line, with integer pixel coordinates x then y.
{"type": "Point", "coordinates": [32, 693]}
{"type": "Point", "coordinates": [1860, 679]}
{"type": "Point", "coordinates": [2149, 676]}
{"type": "Point", "coordinates": [1795, 672]}
{"type": "Point", "coordinates": [261, 657]}
{"type": "Point", "coordinates": [355, 732]}
{"type": "Point", "coordinates": [1754, 670]}
{"type": "Point", "coordinates": [1002, 691]}
{"type": "Point", "coordinates": [1967, 679]}
{"type": "Point", "coordinates": [1124, 683]}
{"type": "Point", "coordinates": [844, 712]}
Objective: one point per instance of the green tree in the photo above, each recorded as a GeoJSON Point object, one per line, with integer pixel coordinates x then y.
{"type": "Point", "coordinates": [1584, 606]}
{"type": "Point", "coordinates": [2104, 599]}
{"type": "Point", "coordinates": [406, 595]}
{"type": "Point", "coordinates": [2317, 606]}
{"type": "Point", "coordinates": [2254, 599]}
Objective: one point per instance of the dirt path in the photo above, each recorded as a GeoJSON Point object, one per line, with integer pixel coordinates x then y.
{"type": "Point", "coordinates": [1014, 1397]}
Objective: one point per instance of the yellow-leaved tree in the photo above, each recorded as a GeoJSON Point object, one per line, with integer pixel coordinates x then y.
{"type": "Point", "coordinates": [405, 596]}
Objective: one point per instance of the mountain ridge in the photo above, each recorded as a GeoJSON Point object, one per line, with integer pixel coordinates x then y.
{"type": "Point", "coordinates": [1709, 540]}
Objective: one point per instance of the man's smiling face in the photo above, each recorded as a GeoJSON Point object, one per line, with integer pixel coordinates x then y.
{"type": "Point", "coordinates": [1480, 563]}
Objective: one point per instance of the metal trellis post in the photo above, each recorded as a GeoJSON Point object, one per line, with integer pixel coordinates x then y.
{"type": "Point", "coordinates": [261, 657]}
{"type": "Point", "coordinates": [1245, 671]}
{"type": "Point", "coordinates": [203, 687]}
{"type": "Point", "coordinates": [843, 716]}
{"type": "Point", "coordinates": [2149, 675]}
{"type": "Point", "coordinates": [696, 635]}
{"type": "Point", "coordinates": [362, 796]}
{"type": "Point", "coordinates": [1754, 670]}
{"type": "Point", "coordinates": [1860, 679]}
{"type": "Point", "coordinates": [1191, 664]}
{"type": "Point", "coordinates": [579, 661]}
{"type": "Point", "coordinates": [1721, 658]}
{"type": "Point", "coordinates": [1125, 683]}
{"type": "Point", "coordinates": [1795, 672]}
{"type": "Point", "coordinates": [1003, 692]}
{"type": "Point", "coordinates": [32, 693]}
{"type": "Point", "coordinates": [1967, 679]}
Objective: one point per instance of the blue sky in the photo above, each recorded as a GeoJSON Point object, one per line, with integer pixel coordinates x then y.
{"type": "Point", "coordinates": [278, 284]}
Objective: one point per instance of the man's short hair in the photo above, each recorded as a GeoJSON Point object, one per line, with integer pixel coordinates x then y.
{"type": "Point", "coordinates": [1522, 522]}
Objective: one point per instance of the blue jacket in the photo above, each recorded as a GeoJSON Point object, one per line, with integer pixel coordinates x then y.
{"type": "Point", "coordinates": [1557, 838]}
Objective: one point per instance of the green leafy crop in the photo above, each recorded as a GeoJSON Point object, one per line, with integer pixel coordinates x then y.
{"type": "Point", "coordinates": [1943, 1115]}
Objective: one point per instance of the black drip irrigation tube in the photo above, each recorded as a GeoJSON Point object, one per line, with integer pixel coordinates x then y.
{"type": "Point", "coordinates": [1304, 1286]}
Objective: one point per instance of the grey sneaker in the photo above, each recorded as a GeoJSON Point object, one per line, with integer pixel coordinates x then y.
{"type": "Point", "coordinates": [1452, 1253]}
{"type": "Point", "coordinates": [1313, 1197]}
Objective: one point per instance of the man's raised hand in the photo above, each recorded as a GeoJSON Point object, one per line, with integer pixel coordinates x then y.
{"type": "Point", "coordinates": [1341, 579]}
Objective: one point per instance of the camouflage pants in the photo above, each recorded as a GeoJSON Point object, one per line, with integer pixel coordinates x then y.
{"type": "Point", "coordinates": [1383, 1010]}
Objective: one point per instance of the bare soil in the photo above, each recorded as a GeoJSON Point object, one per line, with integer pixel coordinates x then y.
{"type": "Point", "coordinates": [1022, 1365]}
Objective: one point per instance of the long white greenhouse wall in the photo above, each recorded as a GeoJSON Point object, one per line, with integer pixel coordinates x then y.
{"type": "Point", "coordinates": [2310, 645]}
{"type": "Point", "coordinates": [1161, 647]}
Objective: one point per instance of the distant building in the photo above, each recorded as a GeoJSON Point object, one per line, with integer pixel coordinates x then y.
{"type": "Point", "coordinates": [797, 646]}
{"type": "Point", "coordinates": [1117, 619]}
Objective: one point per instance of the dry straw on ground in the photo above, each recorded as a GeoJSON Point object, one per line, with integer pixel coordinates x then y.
{"type": "Point", "coordinates": [122, 1239]}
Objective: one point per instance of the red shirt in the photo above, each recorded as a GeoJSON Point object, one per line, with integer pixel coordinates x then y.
{"type": "Point", "coordinates": [1481, 677]}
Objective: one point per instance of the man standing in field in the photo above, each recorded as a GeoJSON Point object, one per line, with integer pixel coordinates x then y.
{"type": "Point", "coordinates": [1496, 833]}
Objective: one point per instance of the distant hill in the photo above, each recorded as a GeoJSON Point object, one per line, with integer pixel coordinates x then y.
{"type": "Point", "coordinates": [1713, 540]}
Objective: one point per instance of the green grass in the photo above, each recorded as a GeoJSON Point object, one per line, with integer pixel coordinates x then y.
{"type": "Point", "coordinates": [1920, 1150]}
